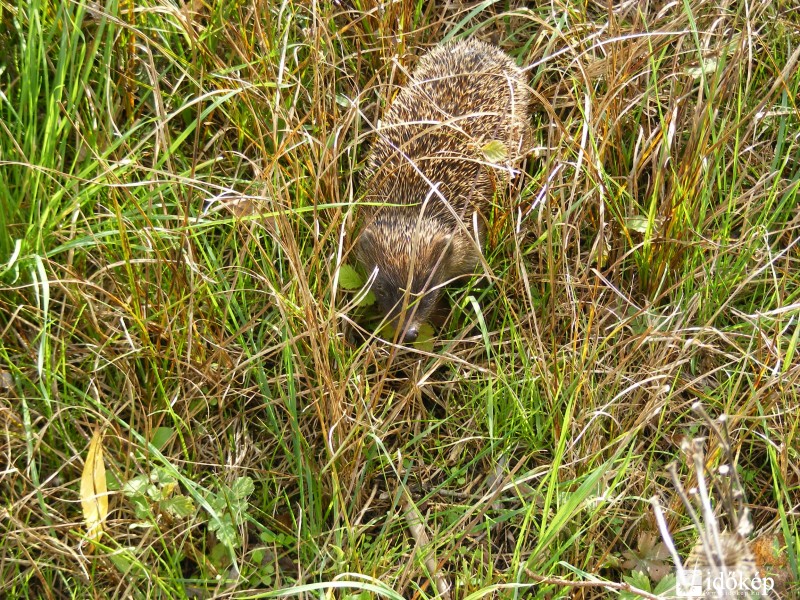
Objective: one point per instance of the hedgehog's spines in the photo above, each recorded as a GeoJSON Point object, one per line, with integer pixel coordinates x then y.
{"type": "Point", "coordinates": [428, 158]}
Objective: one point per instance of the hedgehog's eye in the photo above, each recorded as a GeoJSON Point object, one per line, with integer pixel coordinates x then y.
{"type": "Point", "coordinates": [426, 302]}
{"type": "Point", "coordinates": [378, 289]}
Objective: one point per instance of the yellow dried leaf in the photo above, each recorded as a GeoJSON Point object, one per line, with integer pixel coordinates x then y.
{"type": "Point", "coordinates": [94, 493]}
{"type": "Point", "coordinates": [495, 151]}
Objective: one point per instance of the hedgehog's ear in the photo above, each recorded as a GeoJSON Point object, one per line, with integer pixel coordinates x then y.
{"type": "Point", "coordinates": [366, 232]}
{"type": "Point", "coordinates": [462, 255]}
{"type": "Point", "coordinates": [443, 252]}
{"type": "Point", "coordinates": [444, 244]}
{"type": "Point", "coordinates": [365, 239]}
{"type": "Point", "coordinates": [437, 250]}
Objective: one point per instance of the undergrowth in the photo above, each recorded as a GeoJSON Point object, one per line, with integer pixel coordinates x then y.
{"type": "Point", "coordinates": [178, 185]}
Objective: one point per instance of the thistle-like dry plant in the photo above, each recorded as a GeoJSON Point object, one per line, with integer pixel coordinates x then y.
{"type": "Point", "coordinates": [721, 563]}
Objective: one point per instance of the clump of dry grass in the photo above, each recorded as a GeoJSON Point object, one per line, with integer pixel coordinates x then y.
{"type": "Point", "coordinates": [182, 183]}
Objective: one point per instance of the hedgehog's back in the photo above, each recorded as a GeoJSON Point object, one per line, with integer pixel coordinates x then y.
{"type": "Point", "coordinates": [431, 151]}
{"type": "Point", "coordinates": [460, 97]}
{"type": "Point", "coordinates": [473, 80]}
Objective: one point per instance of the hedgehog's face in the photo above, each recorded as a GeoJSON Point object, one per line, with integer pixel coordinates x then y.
{"type": "Point", "coordinates": [411, 272]}
{"type": "Point", "coordinates": [407, 321]}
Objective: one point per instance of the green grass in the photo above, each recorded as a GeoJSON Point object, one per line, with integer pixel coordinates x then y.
{"type": "Point", "coordinates": [177, 189]}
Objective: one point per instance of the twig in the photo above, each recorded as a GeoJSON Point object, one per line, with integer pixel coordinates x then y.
{"type": "Point", "coordinates": [587, 584]}
{"type": "Point", "coordinates": [414, 522]}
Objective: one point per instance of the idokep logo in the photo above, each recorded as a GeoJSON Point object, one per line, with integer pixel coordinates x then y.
{"type": "Point", "coordinates": [689, 583]}
{"type": "Point", "coordinates": [720, 583]}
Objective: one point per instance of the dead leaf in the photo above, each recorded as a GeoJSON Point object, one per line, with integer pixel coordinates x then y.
{"type": "Point", "coordinates": [649, 557]}
{"type": "Point", "coordinates": [637, 224]}
{"type": "Point", "coordinates": [708, 66]}
{"type": "Point", "coordinates": [94, 493]}
{"type": "Point", "coordinates": [6, 381]}
{"type": "Point", "coordinates": [495, 151]}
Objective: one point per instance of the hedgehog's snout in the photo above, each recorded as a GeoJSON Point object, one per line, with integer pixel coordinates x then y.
{"type": "Point", "coordinates": [406, 312]}
{"type": "Point", "coordinates": [411, 334]}
{"type": "Point", "coordinates": [407, 322]}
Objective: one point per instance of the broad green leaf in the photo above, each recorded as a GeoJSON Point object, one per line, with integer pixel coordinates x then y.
{"type": "Point", "coordinates": [425, 338]}
{"type": "Point", "coordinates": [665, 585]}
{"type": "Point", "coordinates": [368, 299]}
{"type": "Point", "coordinates": [179, 506]}
{"type": "Point", "coordinates": [137, 485]}
{"type": "Point", "coordinates": [242, 488]}
{"type": "Point", "coordinates": [225, 530]}
{"type": "Point", "coordinates": [349, 279]}
{"type": "Point", "coordinates": [161, 436]}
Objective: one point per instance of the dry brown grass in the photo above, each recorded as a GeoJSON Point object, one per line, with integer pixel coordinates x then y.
{"type": "Point", "coordinates": [183, 216]}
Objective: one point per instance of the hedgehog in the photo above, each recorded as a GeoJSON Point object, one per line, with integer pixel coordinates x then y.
{"type": "Point", "coordinates": [447, 144]}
